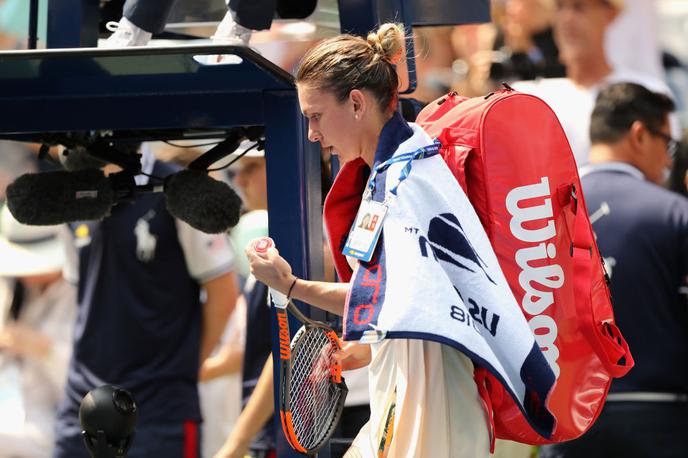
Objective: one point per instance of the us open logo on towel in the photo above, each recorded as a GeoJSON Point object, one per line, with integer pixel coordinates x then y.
{"type": "Point", "coordinates": [447, 242]}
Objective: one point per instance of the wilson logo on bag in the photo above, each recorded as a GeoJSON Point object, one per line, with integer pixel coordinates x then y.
{"type": "Point", "coordinates": [510, 155]}
{"type": "Point", "coordinates": [538, 283]}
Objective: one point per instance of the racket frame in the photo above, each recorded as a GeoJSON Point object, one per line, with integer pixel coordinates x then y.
{"type": "Point", "coordinates": [285, 371]}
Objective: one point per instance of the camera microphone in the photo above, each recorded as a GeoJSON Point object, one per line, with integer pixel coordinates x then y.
{"type": "Point", "coordinates": [49, 198]}
{"type": "Point", "coordinates": [58, 197]}
{"type": "Point", "coordinates": [206, 204]}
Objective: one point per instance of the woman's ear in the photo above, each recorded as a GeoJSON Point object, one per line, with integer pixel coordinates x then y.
{"type": "Point", "coordinates": [358, 103]}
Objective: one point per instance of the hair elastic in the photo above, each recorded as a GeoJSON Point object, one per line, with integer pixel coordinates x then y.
{"type": "Point", "coordinates": [291, 288]}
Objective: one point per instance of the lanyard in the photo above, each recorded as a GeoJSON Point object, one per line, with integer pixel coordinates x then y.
{"type": "Point", "coordinates": [426, 151]}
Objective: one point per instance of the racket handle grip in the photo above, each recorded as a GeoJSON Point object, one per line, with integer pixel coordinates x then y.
{"type": "Point", "coordinates": [261, 247]}
{"type": "Point", "coordinates": [279, 299]}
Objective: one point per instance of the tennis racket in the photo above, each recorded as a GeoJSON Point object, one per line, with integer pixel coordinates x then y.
{"type": "Point", "coordinates": [312, 389]}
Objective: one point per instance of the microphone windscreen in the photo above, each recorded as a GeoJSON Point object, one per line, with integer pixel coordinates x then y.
{"type": "Point", "coordinates": [206, 204]}
{"type": "Point", "coordinates": [58, 197]}
{"type": "Point", "coordinates": [78, 158]}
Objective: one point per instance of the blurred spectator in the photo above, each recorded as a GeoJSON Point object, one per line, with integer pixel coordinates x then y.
{"type": "Point", "coordinates": [525, 44]}
{"type": "Point", "coordinates": [142, 323]}
{"type": "Point", "coordinates": [37, 312]}
{"type": "Point", "coordinates": [473, 45]}
{"type": "Point", "coordinates": [518, 45]}
{"type": "Point", "coordinates": [254, 432]}
{"type": "Point", "coordinates": [15, 158]}
{"type": "Point", "coordinates": [14, 23]}
{"type": "Point", "coordinates": [579, 30]}
{"type": "Point", "coordinates": [632, 41]}
{"type": "Point", "coordinates": [247, 355]}
{"type": "Point", "coordinates": [242, 353]}
{"type": "Point", "coordinates": [220, 388]}
{"type": "Point", "coordinates": [249, 177]}
{"type": "Point", "coordinates": [678, 178]}
{"type": "Point", "coordinates": [256, 422]}
{"type": "Point", "coordinates": [434, 55]}
{"type": "Point", "coordinates": [643, 235]}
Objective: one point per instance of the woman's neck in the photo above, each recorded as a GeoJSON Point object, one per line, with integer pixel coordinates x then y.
{"type": "Point", "coordinates": [371, 137]}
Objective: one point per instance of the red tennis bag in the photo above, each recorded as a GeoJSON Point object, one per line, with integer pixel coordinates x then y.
{"type": "Point", "coordinates": [510, 155]}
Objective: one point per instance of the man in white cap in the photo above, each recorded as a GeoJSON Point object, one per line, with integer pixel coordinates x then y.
{"type": "Point", "coordinates": [37, 314]}
{"type": "Point", "coordinates": [580, 27]}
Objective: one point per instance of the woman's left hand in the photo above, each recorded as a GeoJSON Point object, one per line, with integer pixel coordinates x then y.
{"type": "Point", "coordinates": [353, 355]}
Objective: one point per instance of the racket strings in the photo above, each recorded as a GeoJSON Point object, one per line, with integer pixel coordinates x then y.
{"type": "Point", "coordinates": [314, 396]}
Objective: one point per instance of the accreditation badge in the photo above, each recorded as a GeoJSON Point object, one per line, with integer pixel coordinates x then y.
{"type": "Point", "coordinates": [366, 230]}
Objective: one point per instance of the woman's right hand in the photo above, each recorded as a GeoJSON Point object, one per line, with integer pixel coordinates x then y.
{"type": "Point", "coordinates": [269, 267]}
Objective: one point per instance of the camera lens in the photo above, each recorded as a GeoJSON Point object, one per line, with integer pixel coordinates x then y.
{"type": "Point", "coordinates": [123, 401]}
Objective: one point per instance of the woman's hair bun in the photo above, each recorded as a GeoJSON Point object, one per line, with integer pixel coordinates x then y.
{"type": "Point", "coordinates": [388, 41]}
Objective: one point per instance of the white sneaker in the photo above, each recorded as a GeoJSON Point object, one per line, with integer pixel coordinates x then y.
{"type": "Point", "coordinates": [230, 32]}
{"type": "Point", "coordinates": [126, 34]}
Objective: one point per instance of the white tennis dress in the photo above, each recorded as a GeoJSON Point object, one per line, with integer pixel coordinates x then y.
{"type": "Point", "coordinates": [424, 404]}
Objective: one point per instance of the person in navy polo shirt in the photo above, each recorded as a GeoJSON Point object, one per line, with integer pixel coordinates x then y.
{"type": "Point", "coordinates": [642, 233]}
{"type": "Point", "coordinates": [142, 323]}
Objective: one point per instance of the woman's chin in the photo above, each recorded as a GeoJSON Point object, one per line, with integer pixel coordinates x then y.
{"type": "Point", "coordinates": [344, 157]}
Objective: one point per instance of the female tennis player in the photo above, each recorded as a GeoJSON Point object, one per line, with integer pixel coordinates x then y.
{"type": "Point", "coordinates": [424, 401]}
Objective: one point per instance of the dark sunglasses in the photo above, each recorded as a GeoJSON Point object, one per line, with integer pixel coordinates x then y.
{"type": "Point", "coordinates": [672, 145]}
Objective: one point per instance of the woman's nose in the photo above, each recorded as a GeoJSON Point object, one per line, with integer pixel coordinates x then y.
{"type": "Point", "coordinates": [313, 135]}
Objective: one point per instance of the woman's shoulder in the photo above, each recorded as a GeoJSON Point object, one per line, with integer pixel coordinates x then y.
{"type": "Point", "coordinates": [418, 139]}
